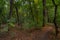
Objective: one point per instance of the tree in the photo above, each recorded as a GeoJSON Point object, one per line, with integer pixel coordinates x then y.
{"type": "Point", "coordinates": [11, 9]}
{"type": "Point", "coordinates": [44, 12]}
{"type": "Point", "coordinates": [10, 12]}
{"type": "Point", "coordinates": [55, 16]}
{"type": "Point", "coordinates": [17, 15]}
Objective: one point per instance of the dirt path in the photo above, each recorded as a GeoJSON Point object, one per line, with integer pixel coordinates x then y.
{"type": "Point", "coordinates": [15, 34]}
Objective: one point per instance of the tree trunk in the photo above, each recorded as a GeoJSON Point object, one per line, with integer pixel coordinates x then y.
{"type": "Point", "coordinates": [55, 16]}
{"type": "Point", "coordinates": [44, 13]}
{"type": "Point", "coordinates": [17, 15]}
{"type": "Point", "coordinates": [56, 27]}
{"type": "Point", "coordinates": [11, 9]}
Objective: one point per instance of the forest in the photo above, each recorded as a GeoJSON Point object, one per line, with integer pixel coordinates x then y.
{"type": "Point", "coordinates": [29, 20]}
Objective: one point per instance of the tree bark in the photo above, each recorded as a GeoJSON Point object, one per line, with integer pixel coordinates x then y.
{"type": "Point", "coordinates": [55, 16]}
{"type": "Point", "coordinates": [11, 9]}
{"type": "Point", "coordinates": [44, 12]}
{"type": "Point", "coordinates": [10, 12]}
{"type": "Point", "coordinates": [17, 15]}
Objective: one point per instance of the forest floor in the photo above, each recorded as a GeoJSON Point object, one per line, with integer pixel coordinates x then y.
{"type": "Point", "coordinates": [34, 34]}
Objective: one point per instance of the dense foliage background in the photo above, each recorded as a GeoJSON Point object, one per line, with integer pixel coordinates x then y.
{"type": "Point", "coordinates": [27, 13]}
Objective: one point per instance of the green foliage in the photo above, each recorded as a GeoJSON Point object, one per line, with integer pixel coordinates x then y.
{"type": "Point", "coordinates": [4, 28]}
{"type": "Point", "coordinates": [11, 25]}
{"type": "Point", "coordinates": [11, 22]}
{"type": "Point", "coordinates": [28, 24]}
{"type": "Point", "coordinates": [30, 12]}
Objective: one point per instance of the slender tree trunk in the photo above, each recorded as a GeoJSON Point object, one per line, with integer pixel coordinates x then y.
{"type": "Point", "coordinates": [44, 12]}
{"type": "Point", "coordinates": [10, 12]}
{"type": "Point", "coordinates": [11, 9]}
{"type": "Point", "coordinates": [55, 16]}
{"type": "Point", "coordinates": [56, 27]}
{"type": "Point", "coordinates": [17, 15]}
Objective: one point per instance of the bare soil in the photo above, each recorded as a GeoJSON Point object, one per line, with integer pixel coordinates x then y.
{"type": "Point", "coordinates": [34, 34]}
